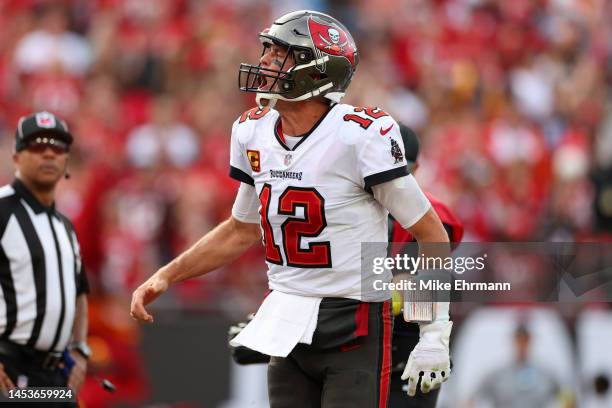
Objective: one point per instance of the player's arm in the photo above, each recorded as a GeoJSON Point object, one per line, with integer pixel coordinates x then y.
{"type": "Point", "coordinates": [219, 247]}
{"type": "Point", "coordinates": [222, 245]}
{"type": "Point", "coordinates": [429, 228]}
{"type": "Point", "coordinates": [410, 207]}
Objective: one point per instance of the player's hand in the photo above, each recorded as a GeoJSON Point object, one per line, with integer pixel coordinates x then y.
{"type": "Point", "coordinates": [145, 294]}
{"type": "Point", "coordinates": [430, 357]}
{"type": "Point", "coordinates": [77, 372]}
{"type": "Point", "coordinates": [5, 381]}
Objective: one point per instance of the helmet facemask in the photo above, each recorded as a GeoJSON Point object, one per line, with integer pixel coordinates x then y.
{"type": "Point", "coordinates": [285, 83]}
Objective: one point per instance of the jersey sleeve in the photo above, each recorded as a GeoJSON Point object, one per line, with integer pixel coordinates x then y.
{"type": "Point", "coordinates": [246, 205]}
{"type": "Point", "coordinates": [240, 167]}
{"type": "Point", "coordinates": [380, 156]}
{"type": "Point", "coordinates": [82, 283]}
{"type": "Point", "coordinates": [404, 200]}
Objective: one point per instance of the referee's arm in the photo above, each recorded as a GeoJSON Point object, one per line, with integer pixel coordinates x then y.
{"type": "Point", "coordinates": [79, 329]}
{"type": "Point", "coordinates": [79, 334]}
{"type": "Point", "coordinates": [80, 325]}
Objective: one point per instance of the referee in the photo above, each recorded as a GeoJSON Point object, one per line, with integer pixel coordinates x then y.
{"type": "Point", "coordinates": [43, 297]}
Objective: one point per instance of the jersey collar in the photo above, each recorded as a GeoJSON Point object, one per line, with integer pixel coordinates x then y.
{"type": "Point", "coordinates": [280, 137]}
{"type": "Point", "coordinates": [29, 198]}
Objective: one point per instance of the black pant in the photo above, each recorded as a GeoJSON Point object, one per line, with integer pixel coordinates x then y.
{"type": "Point", "coordinates": [405, 338]}
{"type": "Point", "coordinates": [354, 375]}
{"type": "Point", "coordinates": [15, 366]}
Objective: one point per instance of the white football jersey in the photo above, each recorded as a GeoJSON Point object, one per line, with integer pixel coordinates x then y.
{"type": "Point", "coordinates": [316, 201]}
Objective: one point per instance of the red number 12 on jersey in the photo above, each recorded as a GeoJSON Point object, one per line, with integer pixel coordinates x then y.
{"type": "Point", "coordinates": [318, 254]}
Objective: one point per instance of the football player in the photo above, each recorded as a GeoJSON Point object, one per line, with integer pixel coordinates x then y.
{"type": "Point", "coordinates": [405, 334]}
{"type": "Point", "coordinates": [318, 179]}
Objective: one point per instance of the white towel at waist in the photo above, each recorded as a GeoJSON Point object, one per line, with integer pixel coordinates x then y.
{"type": "Point", "coordinates": [281, 322]}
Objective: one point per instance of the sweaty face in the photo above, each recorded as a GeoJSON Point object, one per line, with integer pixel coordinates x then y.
{"type": "Point", "coordinates": [274, 57]}
{"type": "Point", "coordinates": [43, 162]}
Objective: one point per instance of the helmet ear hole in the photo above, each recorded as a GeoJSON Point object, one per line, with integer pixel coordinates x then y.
{"type": "Point", "coordinates": [303, 56]}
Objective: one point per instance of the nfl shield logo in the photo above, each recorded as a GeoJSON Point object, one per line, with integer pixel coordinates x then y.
{"type": "Point", "coordinates": [45, 120]}
{"type": "Point", "coordinates": [288, 159]}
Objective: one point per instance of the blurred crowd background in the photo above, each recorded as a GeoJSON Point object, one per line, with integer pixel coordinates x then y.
{"type": "Point", "coordinates": [512, 101]}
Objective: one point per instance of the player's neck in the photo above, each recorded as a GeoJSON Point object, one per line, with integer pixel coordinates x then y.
{"type": "Point", "coordinates": [298, 118]}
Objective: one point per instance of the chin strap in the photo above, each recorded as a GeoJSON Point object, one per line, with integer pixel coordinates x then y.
{"type": "Point", "coordinates": [272, 98]}
{"type": "Point", "coordinates": [260, 97]}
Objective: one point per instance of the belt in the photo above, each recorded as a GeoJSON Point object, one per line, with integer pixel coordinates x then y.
{"type": "Point", "coordinates": [27, 355]}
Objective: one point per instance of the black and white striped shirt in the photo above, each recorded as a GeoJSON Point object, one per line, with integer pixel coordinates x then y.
{"type": "Point", "coordinates": [40, 271]}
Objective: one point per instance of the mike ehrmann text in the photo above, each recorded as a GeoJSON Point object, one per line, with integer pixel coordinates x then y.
{"type": "Point", "coordinates": [437, 285]}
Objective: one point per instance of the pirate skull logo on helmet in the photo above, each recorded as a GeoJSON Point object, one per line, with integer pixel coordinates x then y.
{"type": "Point", "coordinates": [334, 35]}
{"type": "Point", "coordinates": [334, 41]}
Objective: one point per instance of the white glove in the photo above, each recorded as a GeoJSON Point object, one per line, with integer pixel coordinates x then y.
{"type": "Point", "coordinates": [430, 356]}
